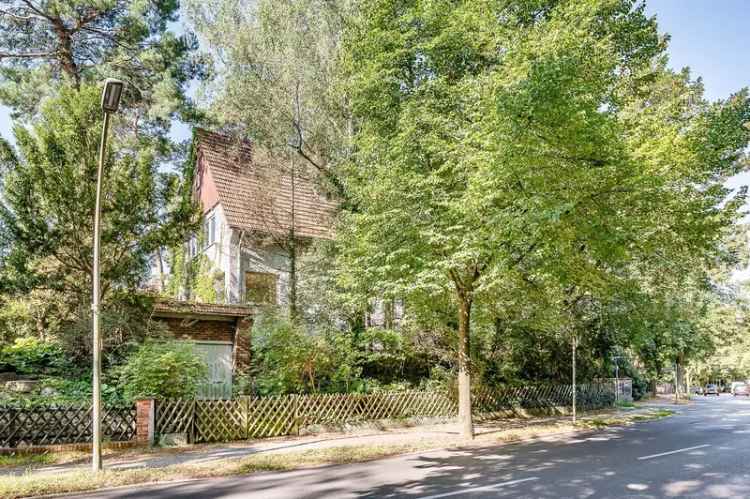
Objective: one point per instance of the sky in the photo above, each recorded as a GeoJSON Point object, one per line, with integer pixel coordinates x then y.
{"type": "Point", "coordinates": [712, 38]}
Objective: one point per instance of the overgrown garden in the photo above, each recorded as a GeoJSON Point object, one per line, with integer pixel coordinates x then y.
{"type": "Point", "coordinates": [519, 183]}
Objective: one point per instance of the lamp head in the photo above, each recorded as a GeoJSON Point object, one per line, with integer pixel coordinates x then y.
{"type": "Point", "coordinates": [111, 95]}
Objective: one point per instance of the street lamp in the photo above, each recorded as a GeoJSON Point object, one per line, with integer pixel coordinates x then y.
{"type": "Point", "coordinates": [110, 102]}
{"type": "Point", "coordinates": [616, 358]}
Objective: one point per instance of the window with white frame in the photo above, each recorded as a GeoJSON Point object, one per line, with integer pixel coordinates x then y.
{"type": "Point", "coordinates": [209, 230]}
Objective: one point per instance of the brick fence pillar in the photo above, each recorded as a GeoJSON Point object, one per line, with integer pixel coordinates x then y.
{"type": "Point", "coordinates": [242, 344]}
{"type": "Point", "coordinates": [145, 414]}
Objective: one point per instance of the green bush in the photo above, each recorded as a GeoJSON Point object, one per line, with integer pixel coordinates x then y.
{"type": "Point", "coordinates": [33, 356]}
{"type": "Point", "coordinates": [162, 369]}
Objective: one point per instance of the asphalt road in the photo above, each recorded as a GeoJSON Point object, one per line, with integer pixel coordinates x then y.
{"type": "Point", "coordinates": [703, 451]}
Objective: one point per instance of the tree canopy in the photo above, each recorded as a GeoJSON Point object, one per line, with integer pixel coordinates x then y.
{"type": "Point", "coordinates": [521, 148]}
{"type": "Point", "coordinates": [46, 44]}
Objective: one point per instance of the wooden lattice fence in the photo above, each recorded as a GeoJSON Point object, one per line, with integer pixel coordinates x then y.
{"type": "Point", "coordinates": [258, 417]}
{"type": "Point", "coordinates": [62, 424]}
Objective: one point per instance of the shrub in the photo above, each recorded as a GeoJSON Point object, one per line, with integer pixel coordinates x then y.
{"type": "Point", "coordinates": [290, 358]}
{"type": "Point", "coordinates": [162, 369]}
{"type": "Point", "coordinates": [33, 356]}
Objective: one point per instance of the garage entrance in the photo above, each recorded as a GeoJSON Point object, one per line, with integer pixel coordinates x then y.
{"type": "Point", "coordinates": [218, 357]}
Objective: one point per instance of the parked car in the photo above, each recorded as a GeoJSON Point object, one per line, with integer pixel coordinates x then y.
{"type": "Point", "coordinates": [697, 390]}
{"type": "Point", "coordinates": [711, 389]}
{"type": "Point", "coordinates": [741, 389]}
{"type": "Point", "coordinates": [734, 385]}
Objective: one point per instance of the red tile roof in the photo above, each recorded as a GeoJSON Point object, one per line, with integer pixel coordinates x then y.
{"type": "Point", "coordinates": [255, 190]}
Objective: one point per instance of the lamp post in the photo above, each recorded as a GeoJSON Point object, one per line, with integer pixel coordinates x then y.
{"type": "Point", "coordinates": [110, 102]}
{"type": "Point", "coordinates": [615, 358]}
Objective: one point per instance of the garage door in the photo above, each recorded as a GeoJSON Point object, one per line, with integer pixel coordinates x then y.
{"type": "Point", "coordinates": [218, 357]}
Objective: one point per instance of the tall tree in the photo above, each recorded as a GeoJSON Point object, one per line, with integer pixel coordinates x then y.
{"type": "Point", "coordinates": [48, 192]}
{"type": "Point", "coordinates": [276, 82]}
{"type": "Point", "coordinates": [45, 44]}
{"type": "Point", "coordinates": [276, 85]}
{"type": "Point", "coordinates": [51, 51]}
{"type": "Point", "coordinates": [497, 142]}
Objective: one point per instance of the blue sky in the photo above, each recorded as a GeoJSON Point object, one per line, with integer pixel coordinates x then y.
{"type": "Point", "coordinates": [711, 37]}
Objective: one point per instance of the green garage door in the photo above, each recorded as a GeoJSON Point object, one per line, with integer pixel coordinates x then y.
{"type": "Point", "coordinates": [218, 357]}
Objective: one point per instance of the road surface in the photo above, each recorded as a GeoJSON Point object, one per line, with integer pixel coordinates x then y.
{"type": "Point", "coordinates": [703, 451]}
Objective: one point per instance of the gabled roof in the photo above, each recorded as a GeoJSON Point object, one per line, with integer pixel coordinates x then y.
{"type": "Point", "coordinates": [259, 193]}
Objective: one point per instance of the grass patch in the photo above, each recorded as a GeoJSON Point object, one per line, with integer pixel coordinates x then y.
{"type": "Point", "coordinates": [35, 460]}
{"type": "Point", "coordinates": [598, 423]}
{"type": "Point", "coordinates": [14, 487]}
{"type": "Point", "coordinates": [331, 455]}
{"type": "Point", "coordinates": [20, 460]}
{"type": "Point", "coordinates": [653, 416]}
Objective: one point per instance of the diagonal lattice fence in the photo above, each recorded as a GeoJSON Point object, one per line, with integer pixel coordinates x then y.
{"type": "Point", "coordinates": [62, 424]}
{"type": "Point", "coordinates": [259, 417]}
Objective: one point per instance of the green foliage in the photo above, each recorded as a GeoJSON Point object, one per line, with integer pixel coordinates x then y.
{"type": "Point", "coordinates": [289, 357]}
{"type": "Point", "coordinates": [277, 82]}
{"type": "Point", "coordinates": [49, 189]}
{"type": "Point", "coordinates": [46, 45]}
{"type": "Point", "coordinates": [65, 389]}
{"type": "Point", "coordinates": [162, 369]}
{"type": "Point", "coordinates": [32, 356]}
{"type": "Point", "coordinates": [539, 163]}
{"type": "Point", "coordinates": [193, 278]}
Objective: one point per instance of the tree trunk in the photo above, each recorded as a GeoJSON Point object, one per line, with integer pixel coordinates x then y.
{"type": "Point", "coordinates": [162, 276]}
{"type": "Point", "coordinates": [679, 379]}
{"type": "Point", "coordinates": [292, 246]}
{"type": "Point", "coordinates": [292, 275]}
{"type": "Point", "coordinates": [464, 377]}
{"type": "Point", "coordinates": [389, 307]}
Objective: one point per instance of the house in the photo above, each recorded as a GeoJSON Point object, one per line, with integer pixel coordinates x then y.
{"type": "Point", "coordinates": [253, 207]}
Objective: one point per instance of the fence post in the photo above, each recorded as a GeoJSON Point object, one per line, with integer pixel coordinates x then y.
{"type": "Point", "coordinates": [296, 414]}
{"type": "Point", "coordinates": [145, 412]}
{"type": "Point", "coordinates": [246, 406]}
{"type": "Point", "coordinates": [191, 430]}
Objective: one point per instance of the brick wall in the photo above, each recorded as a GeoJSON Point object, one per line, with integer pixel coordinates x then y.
{"type": "Point", "coordinates": [144, 421]}
{"type": "Point", "coordinates": [201, 330]}
{"type": "Point", "coordinates": [242, 344]}
{"type": "Point", "coordinates": [236, 331]}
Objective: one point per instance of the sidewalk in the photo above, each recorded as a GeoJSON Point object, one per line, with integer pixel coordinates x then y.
{"type": "Point", "coordinates": [434, 436]}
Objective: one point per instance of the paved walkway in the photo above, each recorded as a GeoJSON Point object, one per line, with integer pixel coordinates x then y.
{"type": "Point", "coordinates": [442, 435]}
{"type": "Point", "coordinates": [701, 452]}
